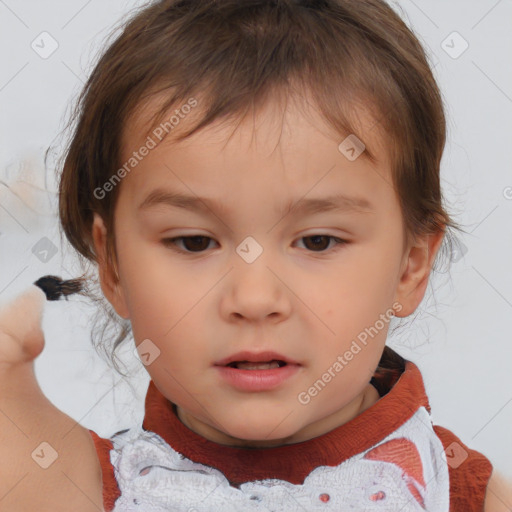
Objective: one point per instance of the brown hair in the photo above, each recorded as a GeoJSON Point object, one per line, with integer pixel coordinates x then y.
{"type": "Point", "coordinates": [233, 55]}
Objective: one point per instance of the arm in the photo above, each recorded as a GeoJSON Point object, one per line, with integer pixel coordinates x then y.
{"type": "Point", "coordinates": [498, 497]}
{"type": "Point", "coordinates": [28, 418]}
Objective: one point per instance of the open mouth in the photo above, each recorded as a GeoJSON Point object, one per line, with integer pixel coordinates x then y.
{"type": "Point", "coordinates": [264, 365]}
{"type": "Point", "coordinates": [256, 372]}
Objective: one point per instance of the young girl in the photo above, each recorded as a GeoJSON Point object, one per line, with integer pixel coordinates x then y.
{"type": "Point", "coordinates": [258, 183]}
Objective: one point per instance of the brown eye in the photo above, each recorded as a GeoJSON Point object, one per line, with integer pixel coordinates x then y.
{"type": "Point", "coordinates": [319, 243]}
{"type": "Point", "coordinates": [196, 243]}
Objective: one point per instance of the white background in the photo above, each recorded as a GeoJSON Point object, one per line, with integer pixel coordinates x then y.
{"type": "Point", "coordinates": [461, 340]}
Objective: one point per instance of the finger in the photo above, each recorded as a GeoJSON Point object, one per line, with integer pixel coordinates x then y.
{"type": "Point", "coordinates": [21, 335]}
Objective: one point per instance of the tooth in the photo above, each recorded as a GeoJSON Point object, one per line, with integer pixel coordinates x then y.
{"type": "Point", "coordinates": [257, 366]}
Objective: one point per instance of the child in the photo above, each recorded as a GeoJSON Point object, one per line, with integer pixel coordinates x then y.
{"type": "Point", "coordinates": [261, 128]}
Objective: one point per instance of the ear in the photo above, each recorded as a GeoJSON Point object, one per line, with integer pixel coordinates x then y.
{"type": "Point", "coordinates": [110, 285]}
{"type": "Point", "coordinates": [416, 267]}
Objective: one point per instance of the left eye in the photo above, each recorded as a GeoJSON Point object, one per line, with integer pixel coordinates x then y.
{"type": "Point", "coordinates": [197, 243]}
{"type": "Point", "coordinates": [319, 240]}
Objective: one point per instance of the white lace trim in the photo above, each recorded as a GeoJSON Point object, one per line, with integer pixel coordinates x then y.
{"type": "Point", "coordinates": [153, 477]}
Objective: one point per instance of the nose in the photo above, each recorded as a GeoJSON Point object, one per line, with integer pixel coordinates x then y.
{"type": "Point", "coordinates": [256, 292]}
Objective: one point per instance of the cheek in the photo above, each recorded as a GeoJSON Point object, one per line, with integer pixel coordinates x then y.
{"type": "Point", "coordinates": [358, 290]}
{"type": "Point", "coordinates": [352, 303]}
{"type": "Point", "coordinates": [375, 273]}
{"type": "Point", "coordinates": [158, 294]}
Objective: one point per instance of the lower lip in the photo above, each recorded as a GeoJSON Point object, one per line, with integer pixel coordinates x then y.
{"type": "Point", "coordinates": [257, 380]}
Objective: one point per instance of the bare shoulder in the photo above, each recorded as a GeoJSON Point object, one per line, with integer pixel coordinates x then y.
{"type": "Point", "coordinates": [48, 459]}
{"type": "Point", "coordinates": [498, 497]}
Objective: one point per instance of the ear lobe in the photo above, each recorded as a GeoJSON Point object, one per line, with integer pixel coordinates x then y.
{"type": "Point", "coordinates": [110, 286]}
{"type": "Point", "coordinates": [415, 274]}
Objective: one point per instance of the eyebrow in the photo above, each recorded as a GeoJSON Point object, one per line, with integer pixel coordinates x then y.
{"type": "Point", "coordinates": [336, 202]}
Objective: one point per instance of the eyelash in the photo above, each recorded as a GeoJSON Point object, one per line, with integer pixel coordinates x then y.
{"type": "Point", "coordinates": [171, 242]}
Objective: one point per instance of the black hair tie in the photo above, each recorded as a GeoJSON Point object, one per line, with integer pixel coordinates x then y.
{"type": "Point", "coordinates": [55, 288]}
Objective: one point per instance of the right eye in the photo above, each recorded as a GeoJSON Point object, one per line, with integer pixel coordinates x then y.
{"type": "Point", "coordinates": [192, 244]}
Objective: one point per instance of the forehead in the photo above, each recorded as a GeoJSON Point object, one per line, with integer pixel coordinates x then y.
{"type": "Point", "coordinates": [293, 133]}
{"type": "Point", "coordinates": [284, 112]}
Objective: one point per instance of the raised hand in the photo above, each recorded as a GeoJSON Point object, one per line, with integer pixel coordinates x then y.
{"type": "Point", "coordinates": [21, 336]}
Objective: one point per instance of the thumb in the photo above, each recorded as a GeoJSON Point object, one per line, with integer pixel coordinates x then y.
{"type": "Point", "coordinates": [21, 335]}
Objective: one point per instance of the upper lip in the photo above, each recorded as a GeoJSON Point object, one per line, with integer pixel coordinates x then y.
{"type": "Point", "coordinates": [254, 357]}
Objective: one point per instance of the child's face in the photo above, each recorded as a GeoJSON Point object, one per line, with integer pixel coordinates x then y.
{"type": "Point", "coordinates": [204, 300]}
